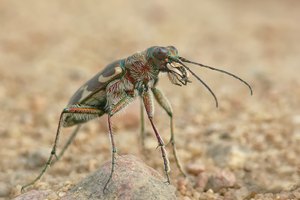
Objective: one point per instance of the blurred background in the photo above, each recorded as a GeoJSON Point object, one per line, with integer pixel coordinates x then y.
{"type": "Point", "coordinates": [49, 49]}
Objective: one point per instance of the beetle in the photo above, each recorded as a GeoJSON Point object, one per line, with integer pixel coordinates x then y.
{"type": "Point", "coordinates": [117, 85]}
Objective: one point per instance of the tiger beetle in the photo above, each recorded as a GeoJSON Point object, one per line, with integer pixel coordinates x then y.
{"type": "Point", "coordinates": [117, 85]}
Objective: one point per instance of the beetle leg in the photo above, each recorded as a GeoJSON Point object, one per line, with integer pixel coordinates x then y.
{"type": "Point", "coordinates": [142, 126]}
{"type": "Point", "coordinates": [67, 144]}
{"type": "Point", "coordinates": [113, 109]}
{"type": "Point", "coordinates": [118, 95]}
{"type": "Point", "coordinates": [148, 103]}
{"type": "Point", "coordinates": [66, 111]}
{"type": "Point", "coordinates": [164, 103]}
{"type": "Point", "coordinates": [114, 151]}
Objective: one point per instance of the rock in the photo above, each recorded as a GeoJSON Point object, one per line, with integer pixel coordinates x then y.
{"type": "Point", "coordinates": [35, 194]}
{"type": "Point", "coordinates": [132, 179]}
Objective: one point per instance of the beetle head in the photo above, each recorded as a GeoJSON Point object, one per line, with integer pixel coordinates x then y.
{"type": "Point", "coordinates": [166, 59]}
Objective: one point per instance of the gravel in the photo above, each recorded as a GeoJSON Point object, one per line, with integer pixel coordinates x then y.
{"type": "Point", "coordinates": [247, 148]}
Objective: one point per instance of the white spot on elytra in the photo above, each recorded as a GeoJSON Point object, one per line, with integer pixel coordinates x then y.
{"type": "Point", "coordinates": [85, 92]}
{"type": "Point", "coordinates": [103, 79]}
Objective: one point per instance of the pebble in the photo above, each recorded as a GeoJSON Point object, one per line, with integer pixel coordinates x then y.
{"type": "Point", "coordinates": [221, 179]}
{"type": "Point", "coordinates": [195, 168]}
{"type": "Point", "coordinates": [182, 186]}
{"type": "Point", "coordinates": [61, 194]}
{"type": "Point", "coordinates": [201, 181]}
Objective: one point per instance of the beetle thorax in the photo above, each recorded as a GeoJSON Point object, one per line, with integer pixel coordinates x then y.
{"type": "Point", "coordinates": [139, 71]}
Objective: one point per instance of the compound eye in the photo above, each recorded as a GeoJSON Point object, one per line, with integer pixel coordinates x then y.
{"type": "Point", "coordinates": [160, 53]}
{"type": "Point", "coordinates": [173, 50]}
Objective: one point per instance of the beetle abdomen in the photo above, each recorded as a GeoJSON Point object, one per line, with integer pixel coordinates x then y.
{"type": "Point", "coordinates": [97, 101]}
{"type": "Point", "coordinates": [78, 118]}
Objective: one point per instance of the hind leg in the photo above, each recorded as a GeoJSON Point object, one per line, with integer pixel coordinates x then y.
{"type": "Point", "coordinates": [85, 111]}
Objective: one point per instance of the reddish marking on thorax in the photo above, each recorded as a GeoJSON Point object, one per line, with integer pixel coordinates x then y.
{"type": "Point", "coordinates": [129, 77]}
{"type": "Point", "coordinates": [138, 72]}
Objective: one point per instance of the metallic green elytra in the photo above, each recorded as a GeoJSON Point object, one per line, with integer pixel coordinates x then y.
{"type": "Point", "coordinates": [118, 84]}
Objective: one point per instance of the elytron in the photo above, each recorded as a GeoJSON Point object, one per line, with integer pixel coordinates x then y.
{"type": "Point", "coordinates": [117, 85]}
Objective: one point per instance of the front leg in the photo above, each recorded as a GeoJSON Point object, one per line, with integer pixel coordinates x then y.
{"type": "Point", "coordinates": [164, 103]}
{"type": "Point", "coordinates": [142, 128]}
{"type": "Point", "coordinates": [148, 103]}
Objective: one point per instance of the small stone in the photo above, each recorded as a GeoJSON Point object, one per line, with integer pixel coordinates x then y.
{"type": "Point", "coordinates": [220, 180]}
{"type": "Point", "coordinates": [201, 181]}
{"type": "Point", "coordinates": [210, 191]}
{"type": "Point", "coordinates": [61, 194]}
{"type": "Point", "coordinates": [182, 186]}
{"type": "Point", "coordinates": [237, 158]}
{"type": "Point", "coordinates": [132, 179]}
{"type": "Point", "coordinates": [195, 168]}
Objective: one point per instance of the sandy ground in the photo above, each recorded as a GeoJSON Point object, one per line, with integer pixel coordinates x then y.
{"type": "Point", "coordinates": [49, 49]}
